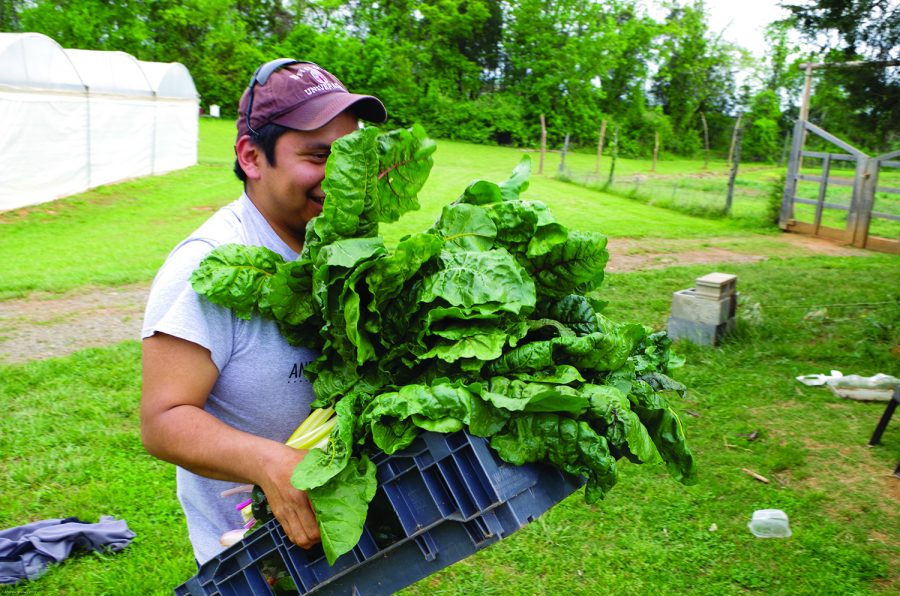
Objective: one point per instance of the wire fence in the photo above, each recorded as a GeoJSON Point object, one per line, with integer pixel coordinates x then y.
{"type": "Point", "coordinates": [687, 186]}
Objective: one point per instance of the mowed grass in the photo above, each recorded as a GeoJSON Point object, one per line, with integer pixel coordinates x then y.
{"type": "Point", "coordinates": [121, 233]}
{"type": "Point", "coordinates": [695, 187]}
{"type": "Point", "coordinates": [70, 446]}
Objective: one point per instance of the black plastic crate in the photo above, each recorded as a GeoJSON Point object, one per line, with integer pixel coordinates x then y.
{"type": "Point", "coordinates": [438, 501]}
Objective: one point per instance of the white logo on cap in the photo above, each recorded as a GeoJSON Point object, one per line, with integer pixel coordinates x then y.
{"type": "Point", "coordinates": [319, 77]}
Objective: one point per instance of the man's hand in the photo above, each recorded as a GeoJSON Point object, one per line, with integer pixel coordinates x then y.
{"type": "Point", "coordinates": [290, 506]}
{"type": "Point", "coordinates": [177, 378]}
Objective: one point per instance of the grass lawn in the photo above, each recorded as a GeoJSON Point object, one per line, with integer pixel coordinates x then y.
{"type": "Point", "coordinates": [70, 446]}
{"type": "Point", "coordinates": [121, 233]}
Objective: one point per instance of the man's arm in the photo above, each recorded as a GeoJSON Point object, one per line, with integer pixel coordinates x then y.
{"type": "Point", "coordinates": [177, 378]}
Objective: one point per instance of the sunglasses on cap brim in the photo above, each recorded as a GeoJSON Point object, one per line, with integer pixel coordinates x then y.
{"type": "Point", "coordinates": [261, 77]}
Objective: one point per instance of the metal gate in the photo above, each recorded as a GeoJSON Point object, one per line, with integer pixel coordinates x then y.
{"type": "Point", "coordinates": [852, 209]}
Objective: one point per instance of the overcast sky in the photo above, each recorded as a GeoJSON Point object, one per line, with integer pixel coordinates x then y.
{"type": "Point", "coordinates": [744, 21]}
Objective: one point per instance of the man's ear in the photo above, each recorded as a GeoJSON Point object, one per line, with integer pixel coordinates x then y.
{"type": "Point", "coordinates": [249, 156]}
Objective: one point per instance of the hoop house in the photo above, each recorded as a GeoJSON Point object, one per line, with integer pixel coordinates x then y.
{"type": "Point", "coordinates": [175, 130]}
{"type": "Point", "coordinates": [77, 119]}
{"type": "Point", "coordinates": [120, 117]}
{"type": "Point", "coordinates": [44, 113]}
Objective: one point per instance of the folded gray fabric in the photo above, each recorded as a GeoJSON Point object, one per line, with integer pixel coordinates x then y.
{"type": "Point", "coordinates": [26, 551]}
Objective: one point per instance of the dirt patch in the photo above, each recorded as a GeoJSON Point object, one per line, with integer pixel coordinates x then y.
{"type": "Point", "coordinates": [621, 260]}
{"type": "Point", "coordinates": [46, 325]}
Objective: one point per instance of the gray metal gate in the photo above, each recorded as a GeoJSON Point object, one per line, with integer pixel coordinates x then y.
{"type": "Point", "coordinates": [857, 211]}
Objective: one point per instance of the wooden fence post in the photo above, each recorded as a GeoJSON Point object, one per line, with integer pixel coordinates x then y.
{"type": "Point", "coordinates": [785, 149]}
{"type": "Point", "coordinates": [737, 126]}
{"type": "Point", "coordinates": [705, 141]}
{"type": "Point", "coordinates": [600, 146]}
{"type": "Point", "coordinates": [655, 152]}
{"type": "Point", "coordinates": [736, 144]}
{"type": "Point", "coordinates": [615, 151]}
{"type": "Point", "coordinates": [562, 157]}
{"type": "Point", "coordinates": [543, 144]}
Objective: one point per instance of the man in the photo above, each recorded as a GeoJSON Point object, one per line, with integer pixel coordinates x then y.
{"type": "Point", "coordinates": [220, 394]}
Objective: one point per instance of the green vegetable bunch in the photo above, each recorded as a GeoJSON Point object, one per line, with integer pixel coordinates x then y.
{"type": "Point", "coordinates": [489, 320]}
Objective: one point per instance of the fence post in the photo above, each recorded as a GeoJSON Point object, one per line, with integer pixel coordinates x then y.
{"type": "Point", "coordinates": [863, 200]}
{"type": "Point", "coordinates": [543, 144]}
{"type": "Point", "coordinates": [655, 152]}
{"type": "Point", "coordinates": [790, 183]}
{"type": "Point", "coordinates": [562, 157]}
{"type": "Point", "coordinates": [600, 146]}
{"type": "Point", "coordinates": [823, 192]}
{"type": "Point", "coordinates": [615, 151]}
{"type": "Point", "coordinates": [784, 150]}
{"type": "Point", "coordinates": [737, 125]}
{"type": "Point", "coordinates": [736, 144]}
{"type": "Point", "coordinates": [705, 141]}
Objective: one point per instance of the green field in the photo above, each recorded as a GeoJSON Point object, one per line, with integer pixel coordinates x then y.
{"type": "Point", "coordinates": [702, 189]}
{"type": "Point", "coordinates": [70, 446]}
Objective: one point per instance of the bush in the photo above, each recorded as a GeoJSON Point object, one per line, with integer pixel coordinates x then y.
{"type": "Point", "coordinates": [774, 198]}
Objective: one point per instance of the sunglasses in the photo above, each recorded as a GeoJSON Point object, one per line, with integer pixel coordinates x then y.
{"type": "Point", "coordinates": [261, 77]}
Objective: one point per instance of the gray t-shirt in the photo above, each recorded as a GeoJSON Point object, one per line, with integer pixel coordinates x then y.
{"type": "Point", "coordinates": [261, 388]}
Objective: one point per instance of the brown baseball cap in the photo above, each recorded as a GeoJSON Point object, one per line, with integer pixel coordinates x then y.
{"type": "Point", "coordinates": [302, 96]}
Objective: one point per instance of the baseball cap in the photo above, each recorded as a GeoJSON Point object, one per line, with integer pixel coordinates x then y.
{"type": "Point", "coordinates": [302, 96]}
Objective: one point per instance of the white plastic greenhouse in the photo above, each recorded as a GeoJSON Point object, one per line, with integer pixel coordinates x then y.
{"type": "Point", "coordinates": [76, 119]}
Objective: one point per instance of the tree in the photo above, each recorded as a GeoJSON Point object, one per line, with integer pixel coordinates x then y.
{"type": "Point", "coordinates": [864, 108]}
{"type": "Point", "coordinates": [9, 15]}
{"type": "Point", "coordinates": [762, 139]}
{"type": "Point", "coordinates": [90, 24]}
{"type": "Point", "coordinates": [694, 74]}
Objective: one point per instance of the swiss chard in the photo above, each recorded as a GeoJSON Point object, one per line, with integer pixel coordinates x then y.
{"type": "Point", "coordinates": [488, 320]}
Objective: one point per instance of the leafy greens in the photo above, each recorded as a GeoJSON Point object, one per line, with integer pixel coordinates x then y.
{"type": "Point", "coordinates": [487, 321]}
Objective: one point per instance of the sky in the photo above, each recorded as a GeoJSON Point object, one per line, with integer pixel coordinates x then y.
{"type": "Point", "coordinates": [743, 21]}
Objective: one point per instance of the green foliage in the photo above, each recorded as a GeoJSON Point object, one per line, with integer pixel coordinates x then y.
{"type": "Point", "coordinates": [762, 138]}
{"type": "Point", "coordinates": [774, 199]}
{"type": "Point", "coordinates": [693, 77]}
{"type": "Point", "coordinates": [486, 70]}
{"type": "Point", "coordinates": [859, 103]}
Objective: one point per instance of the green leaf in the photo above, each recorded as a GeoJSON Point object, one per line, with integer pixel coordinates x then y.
{"type": "Point", "coordinates": [232, 275]}
{"type": "Point", "coordinates": [624, 427]}
{"type": "Point", "coordinates": [427, 405]}
{"type": "Point", "coordinates": [404, 162]}
{"type": "Point", "coordinates": [472, 278]}
{"type": "Point", "coordinates": [351, 174]}
{"type": "Point", "coordinates": [286, 296]}
{"type": "Point", "coordinates": [573, 267]}
{"type": "Point", "coordinates": [483, 346]}
{"type": "Point", "coordinates": [481, 192]}
{"type": "Point", "coordinates": [517, 183]}
{"type": "Point", "coordinates": [466, 227]}
{"type": "Point", "coordinates": [568, 444]}
{"type": "Point", "coordinates": [573, 311]}
{"type": "Point", "coordinates": [319, 466]}
{"type": "Point", "coordinates": [342, 504]}
{"type": "Point", "coordinates": [515, 222]}
{"type": "Point", "coordinates": [389, 274]}
{"type": "Point", "coordinates": [523, 396]}
{"type": "Point", "coordinates": [666, 430]}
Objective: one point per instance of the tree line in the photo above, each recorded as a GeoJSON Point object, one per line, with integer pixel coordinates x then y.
{"type": "Point", "coordinates": [485, 70]}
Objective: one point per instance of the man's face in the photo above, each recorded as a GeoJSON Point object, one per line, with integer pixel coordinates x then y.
{"type": "Point", "coordinates": [289, 194]}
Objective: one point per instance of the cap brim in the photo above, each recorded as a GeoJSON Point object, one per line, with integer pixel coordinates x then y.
{"type": "Point", "coordinates": [316, 113]}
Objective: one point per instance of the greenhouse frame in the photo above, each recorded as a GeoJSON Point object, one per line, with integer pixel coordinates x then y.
{"type": "Point", "coordinates": [77, 119]}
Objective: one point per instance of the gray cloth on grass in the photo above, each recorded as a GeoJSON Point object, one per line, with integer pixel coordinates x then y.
{"type": "Point", "coordinates": [26, 551]}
